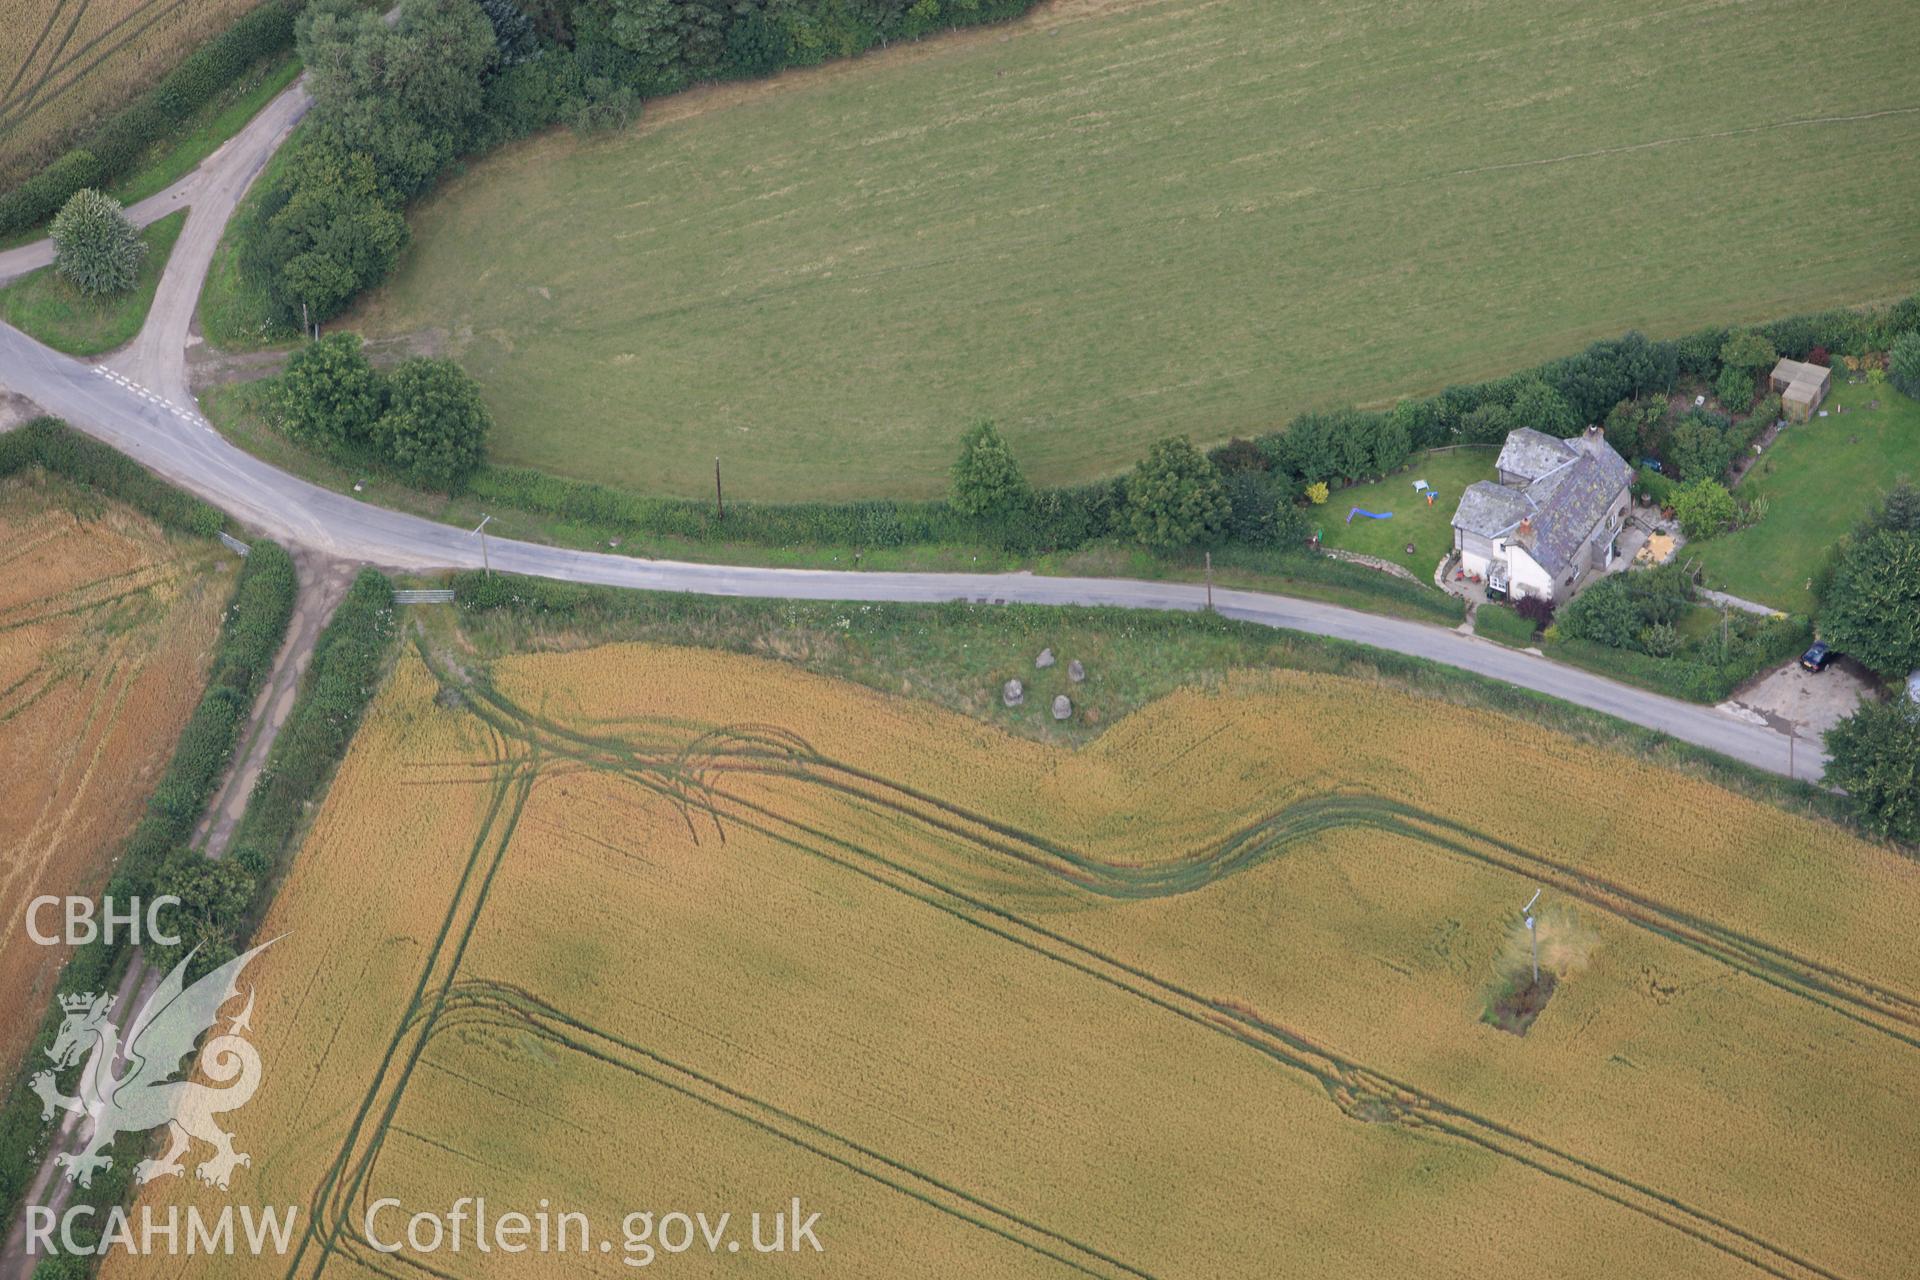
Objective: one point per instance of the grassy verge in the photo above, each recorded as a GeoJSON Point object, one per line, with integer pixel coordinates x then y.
{"type": "Point", "coordinates": [1817, 479]}
{"type": "Point", "coordinates": [44, 306]}
{"type": "Point", "coordinates": [1499, 623]}
{"type": "Point", "coordinates": [957, 655]}
{"type": "Point", "coordinates": [236, 411]}
{"type": "Point", "coordinates": [200, 135]}
{"type": "Point", "coordinates": [233, 311]}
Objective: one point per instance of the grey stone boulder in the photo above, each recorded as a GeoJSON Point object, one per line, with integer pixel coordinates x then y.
{"type": "Point", "coordinates": [1044, 661]}
{"type": "Point", "coordinates": [1076, 672]}
{"type": "Point", "coordinates": [1062, 708]}
{"type": "Point", "coordinates": [1012, 693]}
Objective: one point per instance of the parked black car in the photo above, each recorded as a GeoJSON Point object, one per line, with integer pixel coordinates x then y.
{"type": "Point", "coordinates": [1817, 658]}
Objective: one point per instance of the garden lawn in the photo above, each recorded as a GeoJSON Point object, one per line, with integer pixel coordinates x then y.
{"type": "Point", "coordinates": [44, 306]}
{"type": "Point", "coordinates": [1819, 478]}
{"type": "Point", "coordinates": [1113, 222]}
{"type": "Point", "coordinates": [1428, 528]}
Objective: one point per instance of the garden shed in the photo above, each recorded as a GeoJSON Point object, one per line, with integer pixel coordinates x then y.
{"type": "Point", "coordinates": [1801, 386]}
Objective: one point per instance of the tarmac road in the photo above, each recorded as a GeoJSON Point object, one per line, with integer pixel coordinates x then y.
{"type": "Point", "coordinates": [139, 402]}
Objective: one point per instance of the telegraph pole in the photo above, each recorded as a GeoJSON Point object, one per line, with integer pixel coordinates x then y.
{"type": "Point", "coordinates": [481, 529]}
{"type": "Point", "coordinates": [719, 502]}
{"type": "Point", "coordinates": [1209, 582]}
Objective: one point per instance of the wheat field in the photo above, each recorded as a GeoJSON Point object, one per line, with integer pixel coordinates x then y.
{"type": "Point", "coordinates": [106, 629]}
{"type": "Point", "coordinates": [665, 929]}
{"type": "Point", "coordinates": [67, 64]}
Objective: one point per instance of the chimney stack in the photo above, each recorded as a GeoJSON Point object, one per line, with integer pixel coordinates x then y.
{"type": "Point", "coordinates": [1525, 531]}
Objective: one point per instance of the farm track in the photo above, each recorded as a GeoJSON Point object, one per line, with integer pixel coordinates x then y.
{"type": "Point", "coordinates": [692, 775]}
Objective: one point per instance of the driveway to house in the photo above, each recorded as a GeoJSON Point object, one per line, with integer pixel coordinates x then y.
{"type": "Point", "coordinates": [138, 401]}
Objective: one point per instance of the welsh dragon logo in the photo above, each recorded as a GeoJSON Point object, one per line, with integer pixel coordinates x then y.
{"type": "Point", "coordinates": [146, 1095]}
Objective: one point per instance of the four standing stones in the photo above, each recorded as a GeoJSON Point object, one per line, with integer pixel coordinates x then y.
{"type": "Point", "coordinates": [1014, 694]}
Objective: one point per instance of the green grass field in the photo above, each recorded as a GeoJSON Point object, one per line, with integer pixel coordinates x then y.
{"type": "Point", "coordinates": [1117, 221]}
{"type": "Point", "coordinates": [1429, 529]}
{"type": "Point", "coordinates": [46, 307]}
{"type": "Point", "coordinates": [1818, 480]}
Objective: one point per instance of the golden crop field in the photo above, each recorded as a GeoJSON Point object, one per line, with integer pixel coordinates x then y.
{"type": "Point", "coordinates": [661, 929]}
{"type": "Point", "coordinates": [106, 628]}
{"type": "Point", "coordinates": [66, 64]}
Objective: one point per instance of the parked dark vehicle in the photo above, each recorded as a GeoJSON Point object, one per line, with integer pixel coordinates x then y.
{"type": "Point", "coordinates": [1653, 465]}
{"type": "Point", "coordinates": [1818, 657]}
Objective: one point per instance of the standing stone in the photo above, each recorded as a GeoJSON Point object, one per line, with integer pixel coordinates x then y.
{"type": "Point", "coordinates": [1044, 661]}
{"type": "Point", "coordinates": [1012, 693]}
{"type": "Point", "coordinates": [1062, 709]}
{"type": "Point", "coordinates": [1076, 672]}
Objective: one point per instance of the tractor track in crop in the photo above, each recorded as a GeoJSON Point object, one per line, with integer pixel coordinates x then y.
{"type": "Point", "coordinates": [769, 750]}
{"type": "Point", "coordinates": [692, 776]}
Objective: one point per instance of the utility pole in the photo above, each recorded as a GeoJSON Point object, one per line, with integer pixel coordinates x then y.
{"type": "Point", "coordinates": [1790, 737]}
{"type": "Point", "coordinates": [1209, 582]}
{"type": "Point", "coordinates": [481, 529]}
{"type": "Point", "coordinates": [719, 502]}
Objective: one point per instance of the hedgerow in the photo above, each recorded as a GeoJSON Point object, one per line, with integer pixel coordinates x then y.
{"type": "Point", "coordinates": [50, 443]}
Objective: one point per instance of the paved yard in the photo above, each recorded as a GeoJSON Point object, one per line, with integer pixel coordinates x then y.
{"type": "Point", "coordinates": [1811, 703]}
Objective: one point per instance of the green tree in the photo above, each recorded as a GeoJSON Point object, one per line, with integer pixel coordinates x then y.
{"type": "Point", "coordinates": [1699, 450]}
{"type": "Point", "coordinates": [323, 234]}
{"type": "Point", "coordinates": [330, 395]}
{"type": "Point", "coordinates": [1491, 423]}
{"type": "Point", "coordinates": [1745, 349]}
{"type": "Point", "coordinates": [987, 483]}
{"type": "Point", "coordinates": [1903, 363]}
{"type": "Point", "coordinates": [1875, 759]}
{"type": "Point", "coordinates": [1703, 508]}
{"type": "Point", "coordinates": [1539, 406]}
{"type": "Point", "coordinates": [408, 95]}
{"type": "Point", "coordinates": [95, 248]}
{"type": "Point", "coordinates": [214, 897]}
{"type": "Point", "coordinates": [1175, 497]}
{"type": "Point", "coordinates": [1871, 608]}
{"type": "Point", "coordinates": [435, 427]}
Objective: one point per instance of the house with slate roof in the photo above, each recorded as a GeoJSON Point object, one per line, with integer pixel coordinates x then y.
{"type": "Point", "coordinates": [1551, 520]}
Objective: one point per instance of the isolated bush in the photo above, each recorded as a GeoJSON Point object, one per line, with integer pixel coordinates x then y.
{"type": "Point", "coordinates": [1317, 493]}
{"type": "Point", "coordinates": [987, 481]}
{"type": "Point", "coordinates": [95, 247]}
{"type": "Point", "coordinates": [435, 428]}
{"type": "Point", "coordinates": [1703, 508]}
{"type": "Point", "coordinates": [1903, 363]}
{"type": "Point", "coordinates": [1535, 609]}
{"type": "Point", "coordinates": [1748, 351]}
{"type": "Point", "coordinates": [1603, 614]}
{"type": "Point", "coordinates": [1175, 497]}
{"type": "Point", "coordinates": [330, 395]}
